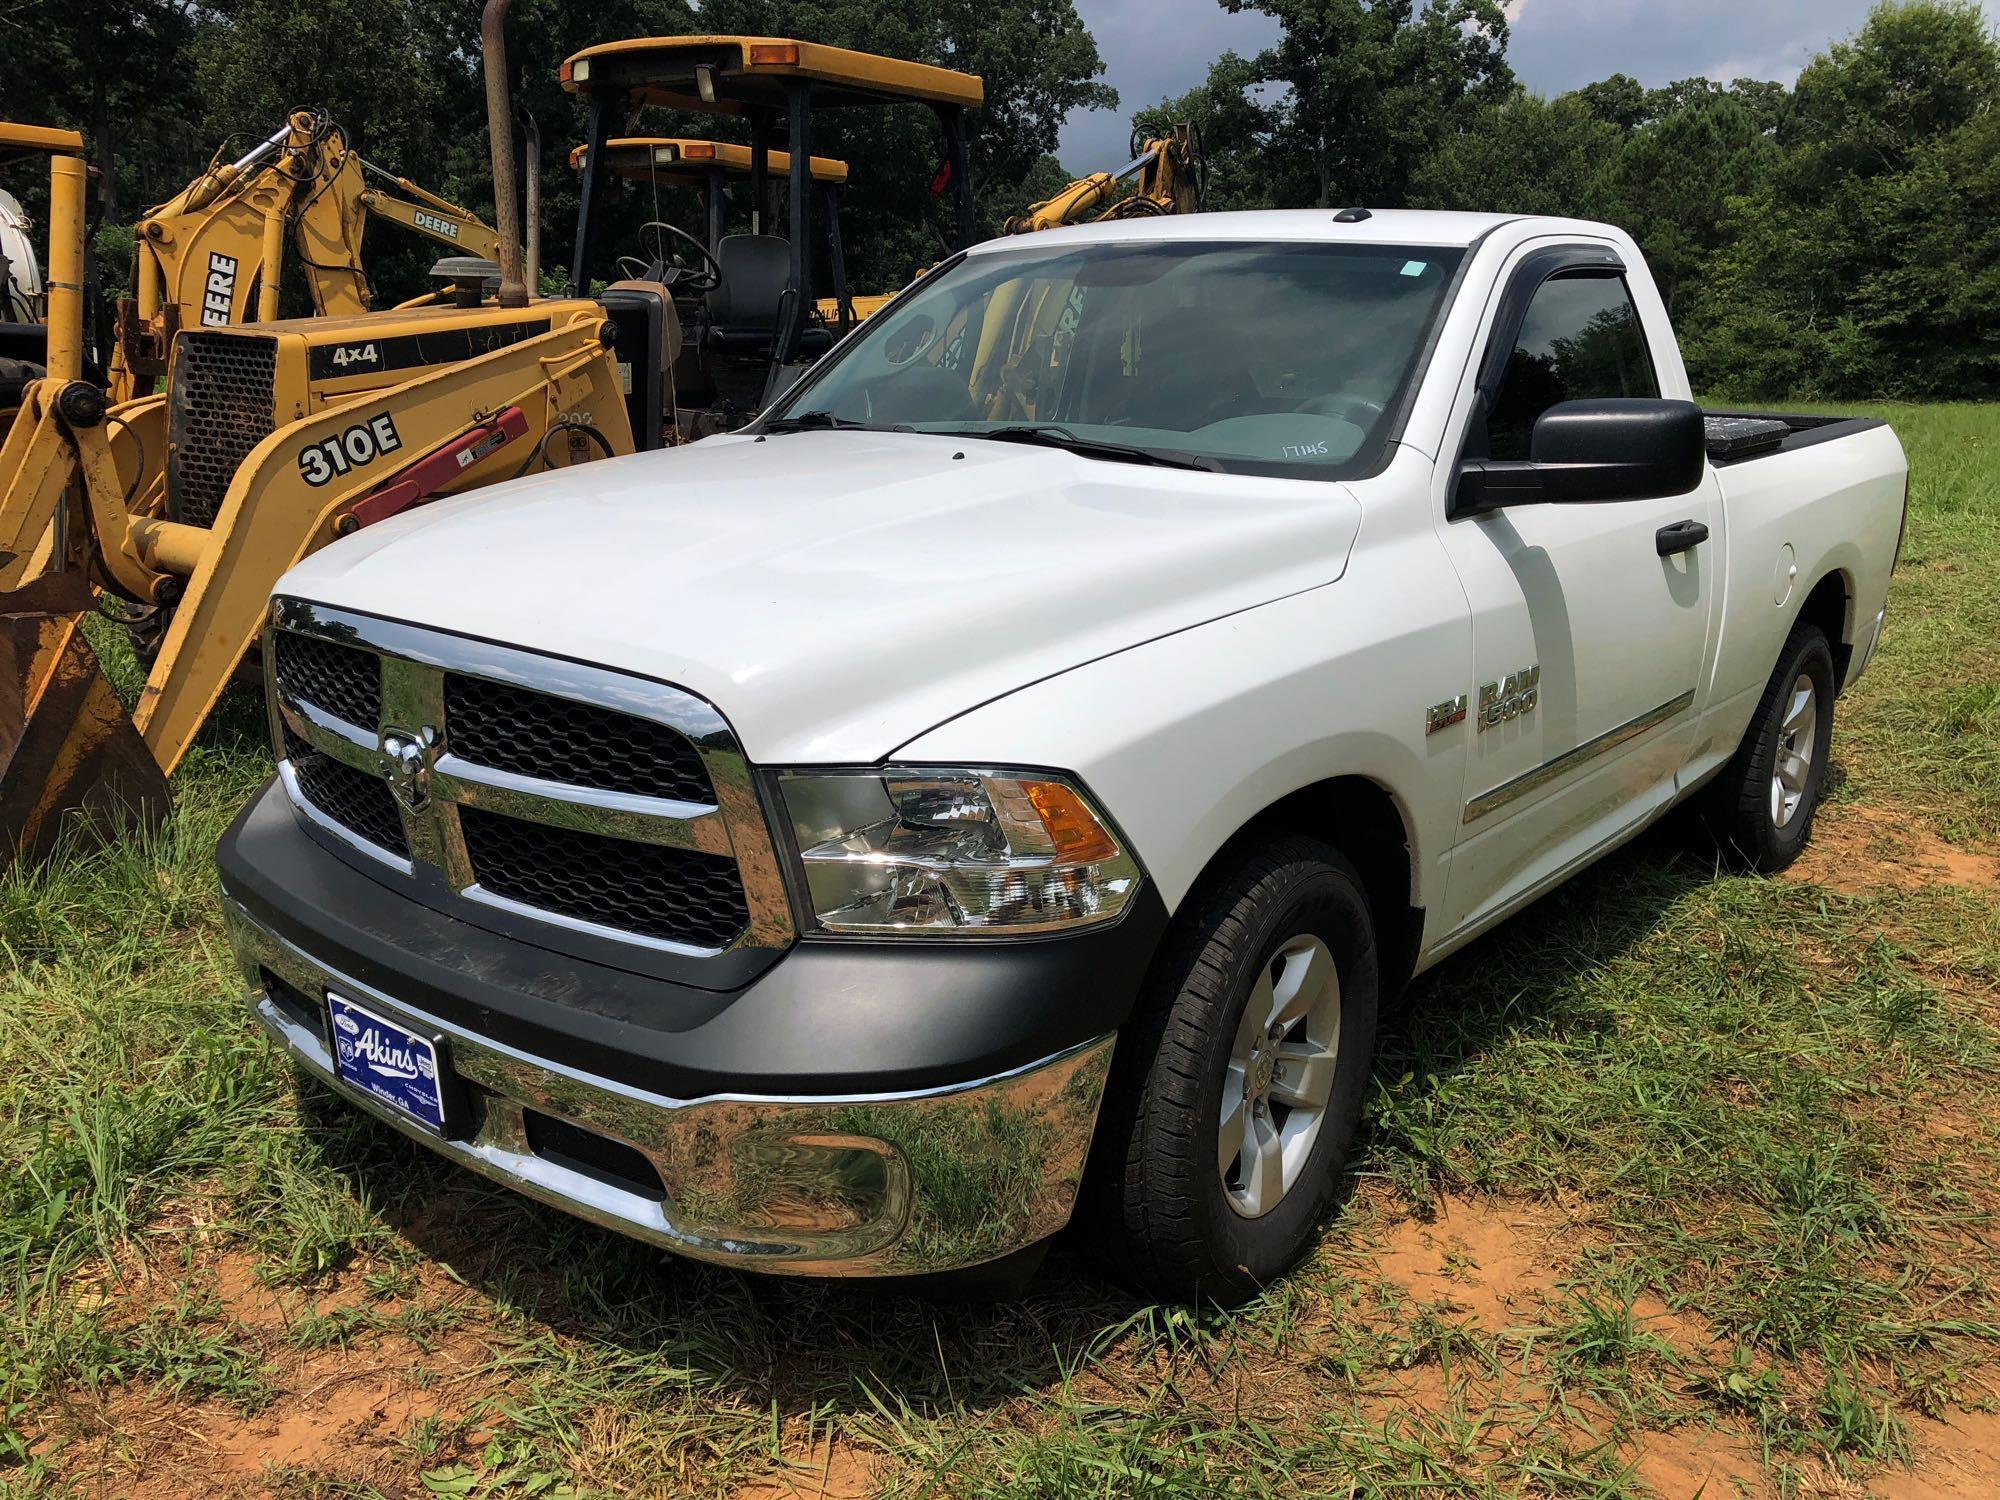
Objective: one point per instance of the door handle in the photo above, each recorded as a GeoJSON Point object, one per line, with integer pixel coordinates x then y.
{"type": "Point", "coordinates": [1679, 537]}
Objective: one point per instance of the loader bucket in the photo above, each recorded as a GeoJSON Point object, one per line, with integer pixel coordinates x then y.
{"type": "Point", "coordinates": [69, 754]}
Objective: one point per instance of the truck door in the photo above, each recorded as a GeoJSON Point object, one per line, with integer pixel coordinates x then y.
{"type": "Point", "coordinates": [1588, 620]}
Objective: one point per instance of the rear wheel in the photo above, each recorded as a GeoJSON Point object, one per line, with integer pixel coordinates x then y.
{"type": "Point", "coordinates": [1242, 1077]}
{"type": "Point", "coordinates": [1761, 808]}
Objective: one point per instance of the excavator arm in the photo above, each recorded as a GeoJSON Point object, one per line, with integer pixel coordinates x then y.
{"type": "Point", "coordinates": [425, 213]}
{"type": "Point", "coordinates": [213, 255]}
{"type": "Point", "coordinates": [1169, 171]}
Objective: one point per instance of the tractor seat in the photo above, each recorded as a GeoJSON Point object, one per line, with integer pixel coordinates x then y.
{"type": "Point", "coordinates": [744, 308]}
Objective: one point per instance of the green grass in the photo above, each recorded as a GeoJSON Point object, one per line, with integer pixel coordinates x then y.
{"type": "Point", "coordinates": [1747, 1129]}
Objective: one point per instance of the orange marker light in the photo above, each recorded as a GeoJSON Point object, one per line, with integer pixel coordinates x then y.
{"type": "Point", "coordinates": [1079, 838]}
{"type": "Point", "coordinates": [774, 54]}
{"type": "Point", "coordinates": [697, 151]}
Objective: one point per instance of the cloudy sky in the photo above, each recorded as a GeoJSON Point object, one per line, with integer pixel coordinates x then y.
{"type": "Point", "coordinates": [1157, 48]}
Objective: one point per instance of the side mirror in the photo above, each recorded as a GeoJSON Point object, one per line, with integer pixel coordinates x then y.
{"type": "Point", "coordinates": [1583, 452]}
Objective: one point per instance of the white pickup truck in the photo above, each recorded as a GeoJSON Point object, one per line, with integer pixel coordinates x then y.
{"type": "Point", "coordinates": [1004, 783]}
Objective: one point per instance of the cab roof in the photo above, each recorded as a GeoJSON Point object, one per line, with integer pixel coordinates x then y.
{"type": "Point", "coordinates": [751, 72]}
{"type": "Point", "coordinates": [1383, 226]}
{"type": "Point", "coordinates": [685, 159]}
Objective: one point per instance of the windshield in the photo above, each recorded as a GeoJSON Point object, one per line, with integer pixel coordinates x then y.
{"type": "Point", "coordinates": [1260, 358]}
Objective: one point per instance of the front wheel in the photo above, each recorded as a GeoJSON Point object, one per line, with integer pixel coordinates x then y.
{"type": "Point", "coordinates": [1761, 807]}
{"type": "Point", "coordinates": [1244, 1071]}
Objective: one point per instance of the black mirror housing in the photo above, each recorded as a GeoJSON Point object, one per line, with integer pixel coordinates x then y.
{"type": "Point", "coordinates": [1586, 452]}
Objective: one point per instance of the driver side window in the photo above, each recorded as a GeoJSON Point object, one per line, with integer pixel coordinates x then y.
{"type": "Point", "coordinates": [1581, 339]}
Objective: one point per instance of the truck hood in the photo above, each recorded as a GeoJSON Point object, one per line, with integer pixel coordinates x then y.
{"type": "Point", "coordinates": [835, 594]}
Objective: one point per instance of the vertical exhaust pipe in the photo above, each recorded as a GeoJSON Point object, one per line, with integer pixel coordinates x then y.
{"type": "Point", "coordinates": [500, 132]}
{"type": "Point", "coordinates": [531, 165]}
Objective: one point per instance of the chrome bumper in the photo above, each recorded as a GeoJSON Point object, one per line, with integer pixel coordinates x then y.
{"type": "Point", "coordinates": [895, 1184]}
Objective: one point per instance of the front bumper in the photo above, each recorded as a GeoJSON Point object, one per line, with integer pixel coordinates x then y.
{"type": "Point", "coordinates": [893, 1184]}
{"type": "Point", "coordinates": [857, 1109]}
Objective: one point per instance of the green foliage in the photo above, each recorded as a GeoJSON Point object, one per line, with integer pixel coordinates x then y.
{"type": "Point", "coordinates": [1370, 87]}
{"type": "Point", "coordinates": [118, 72]}
{"type": "Point", "coordinates": [1528, 155]}
{"type": "Point", "coordinates": [1673, 180]}
{"type": "Point", "coordinates": [1839, 240]}
{"type": "Point", "coordinates": [1868, 261]}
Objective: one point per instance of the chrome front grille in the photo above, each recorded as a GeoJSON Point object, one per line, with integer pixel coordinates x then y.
{"type": "Point", "coordinates": [357, 801]}
{"type": "Point", "coordinates": [512, 729]}
{"type": "Point", "coordinates": [344, 681]}
{"type": "Point", "coordinates": [219, 407]}
{"type": "Point", "coordinates": [540, 791]}
{"type": "Point", "coordinates": [650, 889]}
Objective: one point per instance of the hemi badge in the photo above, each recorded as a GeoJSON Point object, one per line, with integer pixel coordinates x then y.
{"type": "Point", "coordinates": [1444, 715]}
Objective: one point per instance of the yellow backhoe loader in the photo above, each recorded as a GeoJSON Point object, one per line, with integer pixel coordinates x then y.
{"type": "Point", "coordinates": [274, 439]}
{"type": "Point", "coordinates": [1171, 173]}
{"type": "Point", "coordinates": [213, 254]}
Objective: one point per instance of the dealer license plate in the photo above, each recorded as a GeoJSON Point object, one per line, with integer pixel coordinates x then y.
{"type": "Point", "coordinates": [389, 1061]}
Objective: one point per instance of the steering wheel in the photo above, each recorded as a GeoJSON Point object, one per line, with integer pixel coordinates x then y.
{"type": "Point", "coordinates": [675, 272]}
{"type": "Point", "coordinates": [1342, 407]}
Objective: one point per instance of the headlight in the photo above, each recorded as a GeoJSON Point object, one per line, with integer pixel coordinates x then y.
{"type": "Point", "coordinates": [929, 852]}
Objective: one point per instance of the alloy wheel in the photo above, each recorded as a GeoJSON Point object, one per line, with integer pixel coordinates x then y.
{"type": "Point", "coordinates": [1280, 1076]}
{"type": "Point", "coordinates": [1791, 767]}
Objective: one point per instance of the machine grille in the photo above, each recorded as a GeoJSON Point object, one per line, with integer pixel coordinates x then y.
{"type": "Point", "coordinates": [344, 681]}
{"type": "Point", "coordinates": [676, 894]}
{"type": "Point", "coordinates": [219, 408]}
{"type": "Point", "coordinates": [358, 802]}
{"type": "Point", "coordinates": [559, 739]}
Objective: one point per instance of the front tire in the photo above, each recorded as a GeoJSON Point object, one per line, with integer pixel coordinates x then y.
{"type": "Point", "coordinates": [1762, 806]}
{"type": "Point", "coordinates": [1241, 1077]}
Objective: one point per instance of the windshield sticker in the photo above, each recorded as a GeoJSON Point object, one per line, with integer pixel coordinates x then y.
{"type": "Point", "coordinates": [1415, 267]}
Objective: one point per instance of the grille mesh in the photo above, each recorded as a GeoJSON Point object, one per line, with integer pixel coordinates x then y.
{"type": "Point", "coordinates": [354, 799]}
{"type": "Point", "coordinates": [676, 894]}
{"type": "Point", "coordinates": [220, 408]}
{"type": "Point", "coordinates": [532, 734]}
{"type": "Point", "coordinates": [344, 681]}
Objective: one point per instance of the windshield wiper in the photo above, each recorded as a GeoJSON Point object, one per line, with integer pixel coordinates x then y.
{"type": "Point", "coordinates": [1055, 435]}
{"type": "Point", "coordinates": [811, 421]}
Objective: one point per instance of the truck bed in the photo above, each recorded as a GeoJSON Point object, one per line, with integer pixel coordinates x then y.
{"type": "Point", "coordinates": [1739, 437]}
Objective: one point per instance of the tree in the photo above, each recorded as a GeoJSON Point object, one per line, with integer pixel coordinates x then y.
{"type": "Point", "coordinates": [116, 71]}
{"type": "Point", "coordinates": [1527, 156]}
{"type": "Point", "coordinates": [1673, 181]}
{"type": "Point", "coordinates": [1914, 72]}
{"type": "Point", "coordinates": [1864, 262]}
{"type": "Point", "coordinates": [1619, 100]}
{"type": "Point", "coordinates": [1373, 85]}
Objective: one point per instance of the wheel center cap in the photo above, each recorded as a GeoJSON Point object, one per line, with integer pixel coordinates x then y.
{"type": "Point", "coordinates": [1261, 1072]}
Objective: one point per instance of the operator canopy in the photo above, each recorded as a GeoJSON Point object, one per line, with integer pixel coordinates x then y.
{"type": "Point", "coordinates": [729, 74]}
{"type": "Point", "coordinates": [685, 161]}
{"type": "Point", "coordinates": [47, 138]}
